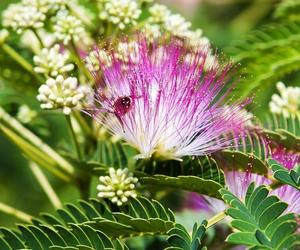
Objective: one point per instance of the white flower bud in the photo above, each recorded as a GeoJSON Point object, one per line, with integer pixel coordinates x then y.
{"type": "Point", "coordinates": [51, 62]}
{"type": "Point", "coordinates": [159, 13]}
{"type": "Point", "coordinates": [287, 103]}
{"type": "Point", "coordinates": [121, 12]}
{"type": "Point", "coordinates": [20, 17]}
{"type": "Point", "coordinates": [118, 186]}
{"type": "Point", "coordinates": [60, 93]}
{"type": "Point", "coordinates": [67, 27]}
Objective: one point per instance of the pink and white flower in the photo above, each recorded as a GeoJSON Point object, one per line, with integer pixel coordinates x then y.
{"type": "Point", "coordinates": [163, 106]}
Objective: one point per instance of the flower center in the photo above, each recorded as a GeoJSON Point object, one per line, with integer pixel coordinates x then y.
{"type": "Point", "coordinates": [122, 105]}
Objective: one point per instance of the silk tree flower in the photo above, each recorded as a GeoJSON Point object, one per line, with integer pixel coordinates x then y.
{"type": "Point", "coordinates": [51, 62]}
{"type": "Point", "coordinates": [287, 158]}
{"type": "Point", "coordinates": [164, 107]}
{"type": "Point", "coordinates": [237, 183]}
{"type": "Point", "coordinates": [287, 103]}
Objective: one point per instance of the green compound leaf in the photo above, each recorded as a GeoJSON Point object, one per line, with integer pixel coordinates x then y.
{"type": "Point", "coordinates": [290, 177]}
{"type": "Point", "coordinates": [179, 238]}
{"type": "Point", "coordinates": [92, 225]}
{"type": "Point", "coordinates": [196, 174]}
{"type": "Point", "coordinates": [288, 9]}
{"type": "Point", "coordinates": [229, 159]}
{"type": "Point", "coordinates": [284, 131]}
{"type": "Point", "coordinates": [259, 221]}
{"type": "Point", "coordinates": [268, 54]}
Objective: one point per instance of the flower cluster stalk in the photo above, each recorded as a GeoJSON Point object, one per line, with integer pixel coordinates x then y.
{"type": "Point", "coordinates": [46, 150]}
{"type": "Point", "coordinates": [46, 186]}
{"type": "Point", "coordinates": [21, 61]}
{"type": "Point", "coordinates": [15, 212]}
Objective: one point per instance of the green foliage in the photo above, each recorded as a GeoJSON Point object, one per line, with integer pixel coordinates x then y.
{"type": "Point", "coordinates": [234, 160]}
{"type": "Point", "coordinates": [288, 9]}
{"type": "Point", "coordinates": [284, 131]}
{"type": "Point", "coordinates": [259, 221]}
{"type": "Point", "coordinates": [197, 174]}
{"type": "Point", "coordinates": [109, 153]}
{"type": "Point", "coordinates": [93, 225]}
{"type": "Point", "coordinates": [266, 55]}
{"type": "Point", "coordinates": [285, 176]}
{"type": "Point", "coordinates": [180, 239]}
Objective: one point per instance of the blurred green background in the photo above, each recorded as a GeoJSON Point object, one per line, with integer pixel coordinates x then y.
{"type": "Point", "coordinates": [222, 21]}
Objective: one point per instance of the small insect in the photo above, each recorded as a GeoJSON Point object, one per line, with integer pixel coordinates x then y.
{"type": "Point", "coordinates": [122, 105]}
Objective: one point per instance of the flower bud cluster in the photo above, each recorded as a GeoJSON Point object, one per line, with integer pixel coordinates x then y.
{"type": "Point", "coordinates": [60, 93]}
{"type": "Point", "coordinates": [121, 12]}
{"type": "Point", "coordinates": [51, 62]}
{"type": "Point", "coordinates": [20, 17]}
{"type": "Point", "coordinates": [287, 102]}
{"type": "Point", "coordinates": [67, 27]}
{"type": "Point", "coordinates": [118, 186]}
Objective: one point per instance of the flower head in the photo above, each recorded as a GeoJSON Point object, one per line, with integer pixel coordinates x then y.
{"type": "Point", "coordinates": [60, 93]}
{"type": "Point", "coordinates": [51, 62]}
{"type": "Point", "coordinates": [118, 186]}
{"type": "Point", "coordinates": [163, 106]}
{"type": "Point", "coordinates": [287, 103]}
{"type": "Point", "coordinates": [21, 17]}
{"type": "Point", "coordinates": [121, 12]}
{"type": "Point", "coordinates": [67, 27]}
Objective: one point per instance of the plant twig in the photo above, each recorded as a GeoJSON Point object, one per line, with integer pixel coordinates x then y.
{"type": "Point", "coordinates": [38, 37]}
{"type": "Point", "coordinates": [76, 143]}
{"type": "Point", "coordinates": [46, 186]}
{"type": "Point", "coordinates": [218, 217]}
{"type": "Point", "coordinates": [21, 61]}
{"type": "Point", "coordinates": [36, 141]}
{"type": "Point", "coordinates": [79, 62]}
{"type": "Point", "coordinates": [15, 212]}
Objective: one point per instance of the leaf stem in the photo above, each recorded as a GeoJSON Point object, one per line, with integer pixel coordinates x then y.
{"type": "Point", "coordinates": [79, 62]}
{"type": "Point", "coordinates": [46, 186]}
{"type": "Point", "coordinates": [36, 141]}
{"type": "Point", "coordinates": [83, 124]}
{"type": "Point", "coordinates": [38, 37]}
{"type": "Point", "coordinates": [21, 61]}
{"type": "Point", "coordinates": [218, 217]}
{"type": "Point", "coordinates": [15, 212]}
{"type": "Point", "coordinates": [76, 143]}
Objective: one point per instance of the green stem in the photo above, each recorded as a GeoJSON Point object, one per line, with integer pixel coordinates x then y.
{"type": "Point", "coordinates": [35, 154]}
{"type": "Point", "coordinates": [46, 186]}
{"type": "Point", "coordinates": [76, 143]}
{"type": "Point", "coordinates": [15, 212]}
{"type": "Point", "coordinates": [218, 217]}
{"type": "Point", "coordinates": [36, 141]}
{"type": "Point", "coordinates": [83, 124]}
{"type": "Point", "coordinates": [20, 60]}
{"type": "Point", "coordinates": [38, 37]}
{"type": "Point", "coordinates": [79, 62]}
